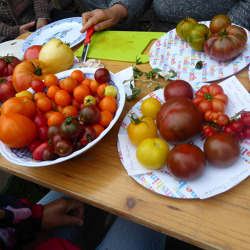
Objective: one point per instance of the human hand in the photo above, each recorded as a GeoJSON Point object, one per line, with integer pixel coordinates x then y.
{"type": "Point", "coordinates": [104, 18]}
{"type": "Point", "coordinates": [41, 22]}
{"type": "Point", "coordinates": [56, 213]}
{"type": "Point", "coordinates": [25, 27]}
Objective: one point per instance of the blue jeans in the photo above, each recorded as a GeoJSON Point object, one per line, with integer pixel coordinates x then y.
{"type": "Point", "coordinates": [123, 234]}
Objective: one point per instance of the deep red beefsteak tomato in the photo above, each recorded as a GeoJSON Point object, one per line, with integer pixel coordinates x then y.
{"type": "Point", "coordinates": [179, 120]}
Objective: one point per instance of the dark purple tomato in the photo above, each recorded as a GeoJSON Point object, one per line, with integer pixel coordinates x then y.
{"type": "Point", "coordinates": [56, 138]}
{"type": "Point", "coordinates": [89, 115]}
{"type": "Point", "coordinates": [70, 129]}
{"type": "Point", "coordinates": [102, 75]}
{"type": "Point", "coordinates": [52, 131]}
{"type": "Point", "coordinates": [178, 88]}
{"type": "Point", "coordinates": [179, 120]}
{"type": "Point", "coordinates": [33, 145]}
{"type": "Point", "coordinates": [186, 162]}
{"type": "Point", "coordinates": [64, 148]}
{"type": "Point", "coordinates": [222, 150]}
{"type": "Point", "coordinates": [49, 153]}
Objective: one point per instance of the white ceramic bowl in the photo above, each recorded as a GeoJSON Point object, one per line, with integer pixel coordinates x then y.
{"type": "Point", "coordinates": [23, 157]}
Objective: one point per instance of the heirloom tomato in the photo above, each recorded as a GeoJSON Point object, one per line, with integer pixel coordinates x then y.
{"type": "Point", "coordinates": [197, 36]}
{"type": "Point", "coordinates": [179, 120]}
{"type": "Point", "coordinates": [150, 107]}
{"type": "Point", "coordinates": [32, 52]}
{"type": "Point", "coordinates": [211, 97]}
{"type": "Point", "coordinates": [226, 44]}
{"type": "Point", "coordinates": [141, 128]}
{"type": "Point", "coordinates": [184, 27]}
{"type": "Point", "coordinates": [8, 64]}
{"type": "Point", "coordinates": [186, 161]}
{"type": "Point", "coordinates": [19, 105]}
{"type": "Point", "coordinates": [178, 88]}
{"type": "Point", "coordinates": [219, 22]}
{"type": "Point", "coordinates": [6, 88]}
{"type": "Point", "coordinates": [89, 115]}
{"type": "Point", "coordinates": [221, 150]}
{"type": "Point", "coordinates": [17, 130]}
{"type": "Point", "coordinates": [27, 71]}
{"type": "Point", "coordinates": [152, 153]}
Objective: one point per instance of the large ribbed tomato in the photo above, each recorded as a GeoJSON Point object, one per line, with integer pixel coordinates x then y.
{"type": "Point", "coordinates": [27, 71]}
{"type": "Point", "coordinates": [227, 44]}
{"type": "Point", "coordinates": [179, 120]}
{"type": "Point", "coordinates": [17, 130]}
{"type": "Point", "coordinates": [184, 26]}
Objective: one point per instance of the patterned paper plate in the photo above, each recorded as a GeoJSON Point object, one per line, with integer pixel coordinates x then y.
{"type": "Point", "coordinates": [67, 30]}
{"type": "Point", "coordinates": [171, 53]}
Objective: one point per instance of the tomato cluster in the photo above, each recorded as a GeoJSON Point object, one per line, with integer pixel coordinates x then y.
{"type": "Point", "coordinates": [67, 116]}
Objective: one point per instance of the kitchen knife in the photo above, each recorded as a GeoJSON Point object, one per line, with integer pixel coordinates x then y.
{"type": "Point", "coordinates": [87, 40]}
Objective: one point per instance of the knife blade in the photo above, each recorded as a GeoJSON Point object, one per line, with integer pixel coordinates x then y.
{"type": "Point", "coordinates": [87, 41]}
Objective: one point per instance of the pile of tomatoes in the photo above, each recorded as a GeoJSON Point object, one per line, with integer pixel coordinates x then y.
{"type": "Point", "coordinates": [221, 40]}
{"type": "Point", "coordinates": [61, 117]}
{"type": "Point", "coordinates": [183, 116]}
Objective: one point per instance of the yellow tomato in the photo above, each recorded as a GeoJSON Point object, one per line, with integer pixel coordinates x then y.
{"type": "Point", "coordinates": [150, 107]}
{"type": "Point", "coordinates": [89, 100]}
{"type": "Point", "coordinates": [110, 91]}
{"type": "Point", "coordinates": [25, 93]}
{"type": "Point", "coordinates": [152, 153]}
{"type": "Point", "coordinates": [140, 129]}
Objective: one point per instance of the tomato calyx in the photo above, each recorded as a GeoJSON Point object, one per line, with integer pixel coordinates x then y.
{"type": "Point", "coordinates": [38, 70]}
{"type": "Point", "coordinates": [2, 80]}
{"type": "Point", "coordinates": [8, 59]}
{"type": "Point", "coordinates": [208, 96]}
{"type": "Point", "coordinates": [137, 121]}
{"type": "Point", "coordinates": [223, 32]}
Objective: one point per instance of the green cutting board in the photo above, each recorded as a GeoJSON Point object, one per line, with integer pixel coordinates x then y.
{"type": "Point", "coordinates": [123, 46]}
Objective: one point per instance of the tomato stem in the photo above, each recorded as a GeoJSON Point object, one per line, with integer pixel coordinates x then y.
{"type": "Point", "coordinates": [137, 121]}
{"type": "Point", "coordinates": [208, 96]}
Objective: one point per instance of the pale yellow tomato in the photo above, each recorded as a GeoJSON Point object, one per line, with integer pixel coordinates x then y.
{"type": "Point", "coordinates": [150, 107]}
{"type": "Point", "coordinates": [110, 91]}
{"type": "Point", "coordinates": [25, 93]}
{"type": "Point", "coordinates": [152, 153]}
{"type": "Point", "coordinates": [140, 129]}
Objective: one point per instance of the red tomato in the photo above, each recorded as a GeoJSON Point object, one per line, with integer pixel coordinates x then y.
{"type": "Point", "coordinates": [32, 52]}
{"type": "Point", "coordinates": [7, 65]}
{"type": "Point", "coordinates": [227, 44]}
{"type": "Point", "coordinates": [221, 150]}
{"type": "Point", "coordinates": [17, 130]}
{"type": "Point", "coordinates": [186, 161]}
{"type": "Point", "coordinates": [102, 75]}
{"type": "Point", "coordinates": [6, 88]}
{"type": "Point", "coordinates": [178, 88]}
{"type": "Point", "coordinates": [179, 120]}
{"type": "Point", "coordinates": [211, 97]}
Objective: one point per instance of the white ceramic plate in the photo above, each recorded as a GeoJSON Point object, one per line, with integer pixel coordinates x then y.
{"type": "Point", "coordinates": [171, 53]}
{"type": "Point", "coordinates": [23, 157]}
{"type": "Point", "coordinates": [67, 30]}
{"type": "Point", "coordinates": [12, 48]}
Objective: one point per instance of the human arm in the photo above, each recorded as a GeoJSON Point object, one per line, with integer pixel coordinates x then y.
{"type": "Point", "coordinates": [42, 12]}
{"type": "Point", "coordinates": [239, 14]}
{"type": "Point", "coordinates": [120, 12]}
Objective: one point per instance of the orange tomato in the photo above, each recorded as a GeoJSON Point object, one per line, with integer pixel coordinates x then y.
{"type": "Point", "coordinates": [86, 82]}
{"type": "Point", "coordinates": [93, 86]}
{"type": "Point", "coordinates": [100, 89]}
{"type": "Point", "coordinates": [98, 129]}
{"type": "Point", "coordinates": [51, 91]}
{"type": "Point", "coordinates": [78, 75]}
{"type": "Point", "coordinates": [27, 71]}
{"type": "Point", "coordinates": [39, 95]}
{"type": "Point", "coordinates": [44, 104]}
{"type": "Point", "coordinates": [55, 118]}
{"type": "Point", "coordinates": [75, 103]}
{"type": "Point", "coordinates": [48, 113]}
{"type": "Point", "coordinates": [62, 97]}
{"type": "Point", "coordinates": [69, 110]}
{"type": "Point", "coordinates": [51, 80]}
{"type": "Point", "coordinates": [80, 92]}
{"type": "Point", "coordinates": [68, 84]}
{"type": "Point", "coordinates": [108, 103]}
{"type": "Point", "coordinates": [20, 105]}
{"type": "Point", "coordinates": [105, 118]}
{"type": "Point", "coordinates": [16, 130]}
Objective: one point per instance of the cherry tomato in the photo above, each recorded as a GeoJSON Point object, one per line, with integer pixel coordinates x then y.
{"type": "Point", "coordinates": [42, 133]}
{"type": "Point", "coordinates": [102, 75]}
{"type": "Point", "coordinates": [245, 118]}
{"type": "Point", "coordinates": [221, 150]}
{"type": "Point", "coordinates": [52, 131]}
{"type": "Point", "coordinates": [40, 120]}
{"type": "Point", "coordinates": [89, 100]}
{"type": "Point", "coordinates": [64, 148]}
{"type": "Point", "coordinates": [49, 153]}
{"type": "Point", "coordinates": [89, 115]}
{"type": "Point", "coordinates": [38, 152]}
{"type": "Point", "coordinates": [33, 145]}
{"type": "Point", "coordinates": [88, 135]}
{"type": "Point", "coordinates": [246, 133]}
{"type": "Point", "coordinates": [237, 125]}
{"type": "Point", "coordinates": [186, 161]}
{"type": "Point", "coordinates": [37, 85]}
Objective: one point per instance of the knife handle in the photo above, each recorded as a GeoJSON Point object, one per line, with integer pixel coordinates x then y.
{"type": "Point", "coordinates": [90, 32]}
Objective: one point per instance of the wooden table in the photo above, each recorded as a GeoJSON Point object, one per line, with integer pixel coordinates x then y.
{"type": "Point", "coordinates": [98, 177]}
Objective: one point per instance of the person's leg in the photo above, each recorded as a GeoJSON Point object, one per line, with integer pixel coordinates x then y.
{"type": "Point", "coordinates": [125, 234]}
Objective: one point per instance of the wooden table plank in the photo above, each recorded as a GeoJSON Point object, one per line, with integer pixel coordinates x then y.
{"type": "Point", "coordinates": [99, 178]}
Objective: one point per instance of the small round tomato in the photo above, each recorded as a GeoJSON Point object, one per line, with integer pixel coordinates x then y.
{"type": "Point", "coordinates": [33, 145]}
{"type": "Point", "coordinates": [44, 104]}
{"type": "Point", "coordinates": [51, 80]}
{"type": "Point", "coordinates": [102, 75]}
{"type": "Point", "coordinates": [219, 22]}
{"type": "Point", "coordinates": [55, 118]}
{"type": "Point", "coordinates": [110, 91]}
{"type": "Point", "coordinates": [186, 161]}
{"type": "Point", "coordinates": [101, 89]}
{"type": "Point", "coordinates": [108, 103]}
{"type": "Point", "coordinates": [70, 110]}
{"type": "Point", "coordinates": [184, 27]}
{"type": "Point", "coordinates": [150, 107]}
{"type": "Point", "coordinates": [52, 131]}
{"type": "Point", "coordinates": [40, 120]}
{"type": "Point", "coordinates": [42, 133]}
{"type": "Point", "coordinates": [38, 152]}
{"type": "Point", "coordinates": [62, 98]}
{"type": "Point", "coordinates": [68, 84]}
{"type": "Point", "coordinates": [78, 75]}
{"type": "Point", "coordinates": [105, 118]}
{"type": "Point", "coordinates": [152, 153]}
{"type": "Point", "coordinates": [80, 92]}
{"type": "Point", "coordinates": [178, 88]}
{"type": "Point", "coordinates": [222, 150]}
{"type": "Point", "coordinates": [37, 85]}
{"type": "Point", "coordinates": [141, 128]}
{"type": "Point", "coordinates": [89, 100]}
{"type": "Point", "coordinates": [89, 115]}
{"type": "Point", "coordinates": [64, 148]}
